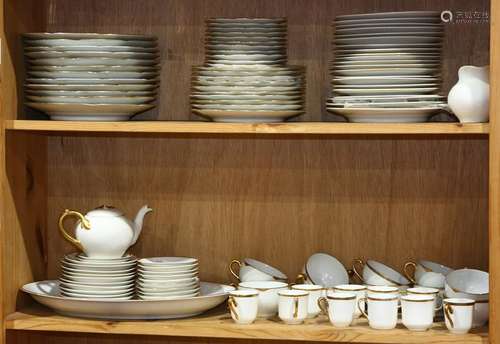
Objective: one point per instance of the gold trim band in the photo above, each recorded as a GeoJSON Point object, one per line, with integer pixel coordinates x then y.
{"type": "Point", "coordinates": [352, 290]}
{"type": "Point", "coordinates": [329, 297]}
{"type": "Point", "coordinates": [377, 299]}
{"type": "Point", "coordinates": [298, 295]}
{"type": "Point", "coordinates": [460, 304]}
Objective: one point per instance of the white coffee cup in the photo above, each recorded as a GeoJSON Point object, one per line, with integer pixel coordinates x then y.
{"type": "Point", "coordinates": [315, 292]}
{"type": "Point", "coordinates": [340, 308]}
{"type": "Point", "coordinates": [268, 295]}
{"type": "Point", "coordinates": [417, 311]}
{"type": "Point", "coordinates": [243, 306]}
{"type": "Point", "coordinates": [427, 273]}
{"type": "Point", "coordinates": [372, 272]}
{"type": "Point", "coordinates": [253, 270]}
{"type": "Point", "coordinates": [293, 306]}
{"type": "Point", "coordinates": [427, 292]}
{"type": "Point", "coordinates": [458, 314]}
{"type": "Point", "coordinates": [382, 311]}
{"type": "Point", "coordinates": [358, 289]}
{"type": "Point", "coordinates": [380, 290]}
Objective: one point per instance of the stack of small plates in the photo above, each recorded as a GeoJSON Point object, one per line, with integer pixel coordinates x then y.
{"type": "Point", "coordinates": [245, 77]}
{"type": "Point", "coordinates": [387, 67]}
{"type": "Point", "coordinates": [94, 77]}
{"type": "Point", "coordinates": [88, 278]}
{"type": "Point", "coordinates": [163, 278]}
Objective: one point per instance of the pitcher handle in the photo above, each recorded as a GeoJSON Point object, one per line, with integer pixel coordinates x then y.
{"type": "Point", "coordinates": [235, 261]}
{"type": "Point", "coordinates": [84, 222]}
{"type": "Point", "coordinates": [407, 274]}
{"type": "Point", "coordinates": [355, 271]}
{"type": "Point", "coordinates": [448, 311]}
{"type": "Point", "coordinates": [363, 299]}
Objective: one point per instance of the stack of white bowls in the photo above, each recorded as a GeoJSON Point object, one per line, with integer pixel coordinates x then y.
{"type": "Point", "coordinates": [387, 67]}
{"type": "Point", "coordinates": [88, 278]}
{"type": "Point", "coordinates": [245, 77]}
{"type": "Point", "coordinates": [163, 278]}
{"type": "Point", "coordinates": [91, 77]}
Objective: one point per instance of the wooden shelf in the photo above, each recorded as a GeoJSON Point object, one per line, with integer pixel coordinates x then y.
{"type": "Point", "coordinates": [291, 128]}
{"type": "Point", "coordinates": [217, 324]}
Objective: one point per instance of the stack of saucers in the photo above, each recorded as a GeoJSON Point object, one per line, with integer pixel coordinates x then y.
{"type": "Point", "coordinates": [245, 77]}
{"type": "Point", "coordinates": [163, 278]}
{"type": "Point", "coordinates": [88, 278]}
{"type": "Point", "coordinates": [387, 67]}
{"type": "Point", "coordinates": [93, 77]}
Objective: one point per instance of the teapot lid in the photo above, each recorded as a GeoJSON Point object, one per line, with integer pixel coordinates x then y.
{"type": "Point", "coordinates": [105, 210]}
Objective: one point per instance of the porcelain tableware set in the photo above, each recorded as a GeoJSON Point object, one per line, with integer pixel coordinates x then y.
{"type": "Point", "coordinates": [387, 67]}
{"type": "Point", "coordinates": [167, 278]}
{"type": "Point", "coordinates": [89, 76]}
{"type": "Point", "coordinates": [245, 77]}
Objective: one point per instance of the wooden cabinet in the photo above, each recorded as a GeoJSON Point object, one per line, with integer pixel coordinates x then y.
{"type": "Point", "coordinates": [276, 192]}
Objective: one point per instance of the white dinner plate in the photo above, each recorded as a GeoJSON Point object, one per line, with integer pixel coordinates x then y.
{"type": "Point", "coordinates": [91, 100]}
{"type": "Point", "coordinates": [96, 68]}
{"type": "Point", "coordinates": [385, 71]}
{"type": "Point", "coordinates": [242, 47]}
{"type": "Point", "coordinates": [112, 94]}
{"type": "Point", "coordinates": [381, 91]}
{"type": "Point", "coordinates": [93, 279]}
{"type": "Point", "coordinates": [90, 112]}
{"type": "Point", "coordinates": [357, 51]}
{"type": "Point", "coordinates": [434, 66]}
{"type": "Point", "coordinates": [97, 272]}
{"type": "Point", "coordinates": [168, 269]}
{"type": "Point", "coordinates": [90, 287]}
{"type": "Point", "coordinates": [173, 297]}
{"type": "Point", "coordinates": [388, 29]}
{"type": "Point", "coordinates": [372, 86]}
{"type": "Point", "coordinates": [168, 261]}
{"type": "Point", "coordinates": [243, 21]}
{"type": "Point", "coordinates": [388, 56]}
{"type": "Point", "coordinates": [247, 116]}
{"type": "Point", "coordinates": [246, 57]}
{"type": "Point", "coordinates": [214, 28]}
{"type": "Point", "coordinates": [89, 54]}
{"type": "Point", "coordinates": [266, 107]}
{"type": "Point", "coordinates": [249, 89]}
{"type": "Point", "coordinates": [80, 81]}
{"type": "Point", "coordinates": [95, 87]}
{"type": "Point", "coordinates": [127, 296]}
{"type": "Point", "coordinates": [387, 115]}
{"type": "Point", "coordinates": [254, 83]}
{"type": "Point", "coordinates": [116, 48]}
{"type": "Point", "coordinates": [390, 40]}
{"type": "Point", "coordinates": [167, 275]}
{"type": "Point", "coordinates": [91, 61]}
{"type": "Point", "coordinates": [118, 293]}
{"type": "Point", "coordinates": [385, 80]}
{"type": "Point", "coordinates": [385, 15]}
{"type": "Point", "coordinates": [117, 284]}
{"type": "Point", "coordinates": [381, 21]}
{"type": "Point", "coordinates": [93, 75]}
{"type": "Point", "coordinates": [383, 63]}
{"type": "Point", "coordinates": [97, 42]}
{"type": "Point", "coordinates": [218, 62]}
{"type": "Point", "coordinates": [71, 35]}
{"type": "Point", "coordinates": [263, 96]}
{"type": "Point", "coordinates": [400, 104]}
{"type": "Point", "coordinates": [185, 293]}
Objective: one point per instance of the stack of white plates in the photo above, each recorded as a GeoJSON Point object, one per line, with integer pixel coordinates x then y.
{"type": "Point", "coordinates": [163, 278]}
{"type": "Point", "coordinates": [388, 59]}
{"type": "Point", "coordinates": [245, 77]}
{"type": "Point", "coordinates": [85, 76]}
{"type": "Point", "coordinates": [88, 278]}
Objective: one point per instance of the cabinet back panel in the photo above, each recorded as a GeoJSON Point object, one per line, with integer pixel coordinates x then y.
{"type": "Point", "coordinates": [179, 25]}
{"type": "Point", "coordinates": [281, 199]}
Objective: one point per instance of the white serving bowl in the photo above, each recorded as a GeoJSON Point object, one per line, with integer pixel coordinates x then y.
{"type": "Point", "coordinates": [323, 269]}
{"type": "Point", "coordinates": [470, 284]}
{"type": "Point", "coordinates": [268, 296]}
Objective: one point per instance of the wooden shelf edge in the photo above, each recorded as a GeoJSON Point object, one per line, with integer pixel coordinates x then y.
{"type": "Point", "coordinates": [219, 325]}
{"type": "Point", "coordinates": [290, 128]}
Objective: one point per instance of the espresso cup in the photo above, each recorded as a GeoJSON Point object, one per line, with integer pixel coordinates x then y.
{"type": "Point", "coordinates": [315, 292]}
{"type": "Point", "coordinates": [340, 308]}
{"type": "Point", "coordinates": [243, 305]}
{"type": "Point", "coordinates": [268, 296]}
{"type": "Point", "coordinates": [247, 273]}
{"type": "Point", "coordinates": [382, 311]}
{"type": "Point", "coordinates": [293, 305]}
{"type": "Point", "coordinates": [358, 289]}
{"type": "Point", "coordinates": [372, 272]}
{"type": "Point", "coordinates": [417, 311]}
{"type": "Point", "coordinates": [458, 314]}
{"type": "Point", "coordinates": [433, 292]}
{"type": "Point", "coordinates": [426, 273]}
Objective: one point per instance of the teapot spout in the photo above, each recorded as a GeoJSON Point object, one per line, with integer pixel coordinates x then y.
{"type": "Point", "coordinates": [139, 219]}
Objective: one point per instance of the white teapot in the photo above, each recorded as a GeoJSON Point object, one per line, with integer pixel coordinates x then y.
{"type": "Point", "coordinates": [104, 233]}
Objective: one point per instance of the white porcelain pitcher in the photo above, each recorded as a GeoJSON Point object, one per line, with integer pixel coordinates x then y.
{"type": "Point", "coordinates": [104, 233]}
{"type": "Point", "coordinates": [469, 98]}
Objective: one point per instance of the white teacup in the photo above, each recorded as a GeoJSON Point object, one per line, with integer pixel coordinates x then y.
{"type": "Point", "coordinates": [323, 269]}
{"type": "Point", "coordinates": [382, 311]}
{"type": "Point", "coordinates": [417, 311]}
{"type": "Point", "coordinates": [293, 305]}
{"type": "Point", "coordinates": [433, 292]}
{"type": "Point", "coordinates": [427, 273]}
{"type": "Point", "coordinates": [268, 296]}
{"type": "Point", "coordinates": [358, 289]}
{"type": "Point", "coordinates": [458, 314]}
{"type": "Point", "coordinates": [243, 305]}
{"type": "Point", "coordinates": [340, 308]}
{"type": "Point", "coordinates": [382, 291]}
{"type": "Point", "coordinates": [375, 273]}
{"type": "Point", "coordinates": [254, 270]}
{"type": "Point", "coordinates": [315, 292]}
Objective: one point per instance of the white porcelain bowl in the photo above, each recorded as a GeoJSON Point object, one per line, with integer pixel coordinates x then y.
{"type": "Point", "coordinates": [268, 296]}
{"type": "Point", "coordinates": [323, 269]}
{"type": "Point", "coordinates": [470, 284]}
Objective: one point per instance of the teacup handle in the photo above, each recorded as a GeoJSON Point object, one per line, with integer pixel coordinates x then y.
{"type": "Point", "coordinates": [85, 224]}
{"type": "Point", "coordinates": [301, 279]}
{"type": "Point", "coordinates": [231, 302]}
{"type": "Point", "coordinates": [355, 271]}
{"type": "Point", "coordinates": [407, 274]}
{"type": "Point", "coordinates": [448, 311]}
{"type": "Point", "coordinates": [235, 261]}
{"type": "Point", "coordinates": [361, 309]}
{"type": "Point", "coordinates": [295, 307]}
{"type": "Point", "coordinates": [323, 304]}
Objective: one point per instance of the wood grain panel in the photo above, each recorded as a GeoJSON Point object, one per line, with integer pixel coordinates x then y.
{"type": "Point", "coordinates": [281, 200]}
{"type": "Point", "coordinates": [179, 24]}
